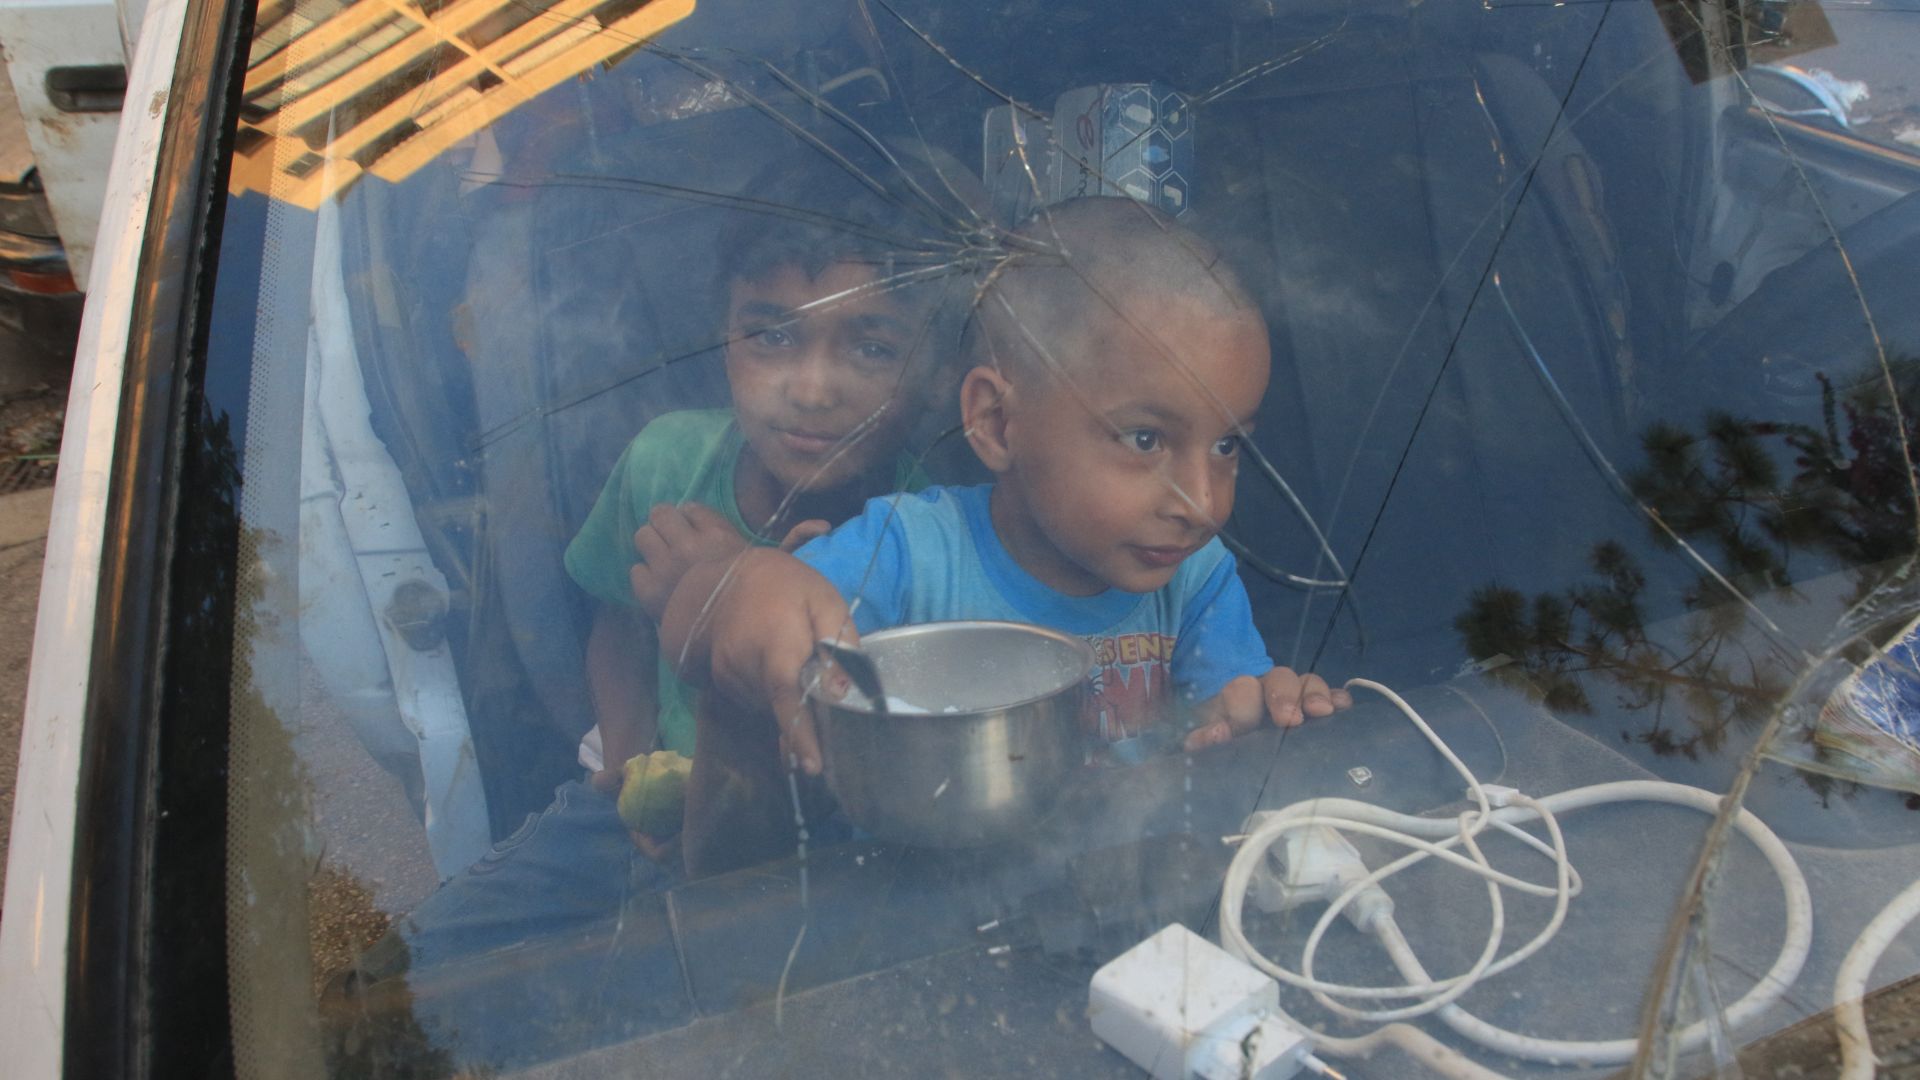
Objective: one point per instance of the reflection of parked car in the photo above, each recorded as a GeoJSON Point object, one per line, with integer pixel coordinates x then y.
{"type": "Point", "coordinates": [1785, 90]}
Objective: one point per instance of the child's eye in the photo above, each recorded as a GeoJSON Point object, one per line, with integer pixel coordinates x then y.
{"type": "Point", "coordinates": [1229, 446]}
{"type": "Point", "coordinates": [1145, 440]}
{"type": "Point", "coordinates": [877, 352]}
{"type": "Point", "coordinates": [773, 337]}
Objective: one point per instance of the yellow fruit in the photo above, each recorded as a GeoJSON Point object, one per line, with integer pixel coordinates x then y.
{"type": "Point", "coordinates": [653, 792]}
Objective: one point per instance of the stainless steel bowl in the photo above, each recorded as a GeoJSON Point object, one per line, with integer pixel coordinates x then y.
{"type": "Point", "coordinates": [976, 774]}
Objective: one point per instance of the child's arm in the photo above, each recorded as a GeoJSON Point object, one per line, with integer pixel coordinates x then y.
{"type": "Point", "coordinates": [744, 629]}
{"type": "Point", "coordinates": [621, 678]}
{"type": "Point", "coordinates": [1248, 701]}
{"type": "Point", "coordinates": [675, 538]}
{"type": "Point", "coordinates": [1219, 646]}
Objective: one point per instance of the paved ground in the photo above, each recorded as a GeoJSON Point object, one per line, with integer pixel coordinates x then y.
{"type": "Point", "coordinates": [23, 520]}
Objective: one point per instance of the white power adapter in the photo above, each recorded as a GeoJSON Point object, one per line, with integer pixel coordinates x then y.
{"type": "Point", "coordinates": [1179, 1006]}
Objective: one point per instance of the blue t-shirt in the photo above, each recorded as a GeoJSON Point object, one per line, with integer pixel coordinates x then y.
{"type": "Point", "coordinates": [934, 556]}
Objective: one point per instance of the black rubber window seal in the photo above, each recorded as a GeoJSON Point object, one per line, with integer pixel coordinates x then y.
{"type": "Point", "coordinates": [146, 990]}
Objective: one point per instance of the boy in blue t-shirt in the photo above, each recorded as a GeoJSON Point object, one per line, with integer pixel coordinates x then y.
{"type": "Point", "coordinates": [1119, 366]}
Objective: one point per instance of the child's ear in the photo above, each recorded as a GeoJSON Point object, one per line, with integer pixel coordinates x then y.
{"type": "Point", "coordinates": [984, 406]}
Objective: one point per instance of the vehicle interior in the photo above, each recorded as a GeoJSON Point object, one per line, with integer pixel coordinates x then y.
{"type": "Point", "coordinates": [1564, 318]}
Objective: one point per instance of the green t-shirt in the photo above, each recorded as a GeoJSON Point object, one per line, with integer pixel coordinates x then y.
{"type": "Point", "coordinates": [680, 457]}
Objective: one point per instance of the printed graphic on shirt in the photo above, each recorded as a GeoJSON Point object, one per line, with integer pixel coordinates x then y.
{"type": "Point", "coordinates": [1132, 684]}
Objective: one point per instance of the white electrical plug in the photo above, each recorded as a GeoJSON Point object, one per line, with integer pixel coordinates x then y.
{"type": "Point", "coordinates": [1248, 1047]}
{"type": "Point", "coordinates": [1499, 796]}
{"type": "Point", "coordinates": [1318, 865]}
{"type": "Point", "coordinates": [1179, 1006]}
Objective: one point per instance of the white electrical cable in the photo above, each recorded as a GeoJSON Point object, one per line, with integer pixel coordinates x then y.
{"type": "Point", "coordinates": [1414, 1043]}
{"type": "Point", "coordinates": [1459, 984]}
{"type": "Point", "coordinates": [1467, 826]}
{"type": "Point", "coordinates": [1407, 830]}
{"type": "Point", "coordinates": [1850, 985]}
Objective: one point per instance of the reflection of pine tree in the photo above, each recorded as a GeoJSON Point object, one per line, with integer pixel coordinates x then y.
{"type": "Point", "coordinates": [1853, 496]}
{"type": "Point", "coordinates": [1721, 492]}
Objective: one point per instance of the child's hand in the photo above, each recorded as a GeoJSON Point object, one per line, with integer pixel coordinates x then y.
{"type": "Point", "coordinates": [757, 624]}
{"type": "Point", "coordinates": [674, 539]}
{"type": "Point", "coordinates": [1286, 696]}
{"type": "Point", "coordinates": [677, 537]}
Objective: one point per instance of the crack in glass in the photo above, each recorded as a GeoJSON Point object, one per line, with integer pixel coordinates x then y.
{"type": "Point", "coordinates": [1702, 640]}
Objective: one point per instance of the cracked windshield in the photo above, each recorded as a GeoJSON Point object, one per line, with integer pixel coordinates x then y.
{"type": "Point", "coordinates": [1225, 539]}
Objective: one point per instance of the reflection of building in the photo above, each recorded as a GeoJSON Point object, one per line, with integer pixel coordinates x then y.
{"type": "Point", "coordinates": [337, 89]}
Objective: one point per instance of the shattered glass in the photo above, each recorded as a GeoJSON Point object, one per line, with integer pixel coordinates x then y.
{"type": "Point", "coordinates": [1588, 428]}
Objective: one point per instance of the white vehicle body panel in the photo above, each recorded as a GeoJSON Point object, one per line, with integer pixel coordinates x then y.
{"type": "Point", "coordinates": [360, 545]}
{"type": "Point", "coordinates": [33, 936]}
{"type": "Point", "coordinates": [71, 149]}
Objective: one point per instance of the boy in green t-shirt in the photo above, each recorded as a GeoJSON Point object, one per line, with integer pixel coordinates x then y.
{"type": "Point", "coordinates": [837, 336]}
{"type": "Point", "coordinates": [834, 346]}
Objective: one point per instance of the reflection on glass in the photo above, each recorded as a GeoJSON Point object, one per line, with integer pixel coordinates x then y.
{"type": "Point", "coordinates": [1584, 427]}
{"type": "Point", "coordinates": [384, 88]}
{"type": "Point", "coordinates": [1848, 503]}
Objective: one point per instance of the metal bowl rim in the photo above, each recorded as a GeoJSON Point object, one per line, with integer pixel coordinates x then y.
{"type": "Point", "coordinates": [1077, 644]}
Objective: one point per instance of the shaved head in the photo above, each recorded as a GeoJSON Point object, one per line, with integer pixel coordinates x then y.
{"type": "Point", "coordinates": [1087, 270]}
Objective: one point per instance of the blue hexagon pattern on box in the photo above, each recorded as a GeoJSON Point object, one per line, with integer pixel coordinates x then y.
{"type": "Point", "coordinates": [1131, 139]}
